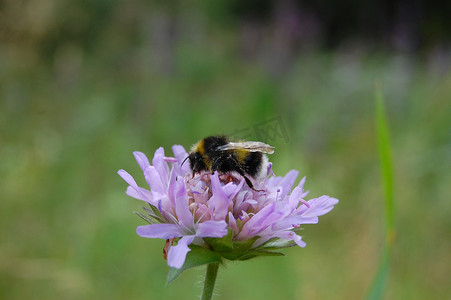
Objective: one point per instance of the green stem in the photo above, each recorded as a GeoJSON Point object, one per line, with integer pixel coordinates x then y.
{"type": "Point", "coordinates": [210, 279]}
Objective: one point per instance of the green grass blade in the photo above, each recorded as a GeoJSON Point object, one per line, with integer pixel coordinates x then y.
{"type": "Point", "coordinates": [384, 146]}
{"type": "Point", "coordinates": [377, 289]}
{"type": "Point", "coordinates": [383, 141]}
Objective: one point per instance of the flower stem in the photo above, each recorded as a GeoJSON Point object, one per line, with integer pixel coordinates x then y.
{"type": "Point", "coordinates": [210, 279]}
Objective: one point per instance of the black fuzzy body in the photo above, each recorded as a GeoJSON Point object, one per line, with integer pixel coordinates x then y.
{"type": "Point", "coordinates": [252, 163]}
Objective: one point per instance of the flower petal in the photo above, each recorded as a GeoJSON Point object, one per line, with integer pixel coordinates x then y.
{"type": "Point", "coordinates": [297, 195]}
{"type": "Point", "coordinates": [161, 166]}
{"type": "Point", "coordinates": [181, 154]}
{"type": "Point", "coordinates": [142, 160]}
{"type": "Point", "coordinates": [232, 223]}
{"type": "Point", "coordinates": [177, 254]}
{"type": "Point", "coordinates": [318, 207]}
{"type": "Point", "coordinates": [157, 187]}
{"type": "Point", "coordinates": [182, 211]}
{"type": "Point", "coordinates": [290, 235]}
{"type": "Point", "coordinates": [237, 189]}
{"type": "Point", "coordinates": [284, 235]}
{"type": "Point", "coordinates": [211, 229]}
{"type": "Point", "coordinates": [134, 190]}
{"type": "Point", "coordinates": [127, 177]}
{"type": "Point", "coordinates": [140, 194]}
{"type": "Point", "coordinates": [287, 183]}
{"type": "Point", "coordinates": [159, 231]}
{"type": "Point", "coordinates": [219, 202]}
{"type": "Point", "coordinates": [255, 223]}
{"type": "Point", "coordinates": [293, 221]}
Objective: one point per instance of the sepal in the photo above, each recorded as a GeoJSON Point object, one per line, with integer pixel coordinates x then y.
{"type": "Point", "coordinates": [198, 256]}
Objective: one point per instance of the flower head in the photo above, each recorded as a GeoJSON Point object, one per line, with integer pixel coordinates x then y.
{"type": "Point", "coordinates": [205, 208]}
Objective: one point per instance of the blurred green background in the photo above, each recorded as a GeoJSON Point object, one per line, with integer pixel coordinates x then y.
{"type": "Point", "coordinates": [85, 83]}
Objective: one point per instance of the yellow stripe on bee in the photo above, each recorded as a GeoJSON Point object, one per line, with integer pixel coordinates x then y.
{"type": "Point", "coordinates": [200, 147]}
{"type": "Point", "coordinates": [241, 155]}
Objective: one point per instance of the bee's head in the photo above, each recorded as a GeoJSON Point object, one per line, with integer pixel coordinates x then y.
{"type": "Point", "coordinates": [196, 161]}
{"type": "Point", "coordinates": [197, 157]}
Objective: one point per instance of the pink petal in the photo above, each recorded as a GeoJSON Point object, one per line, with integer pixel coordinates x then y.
{"type": "Point", "coordinates": [318, 207]}
{"type": "Point", "coordinates": [180, 154]}
{"type": "Point", "coordinates": [177, 254]}
{"type": "Point", "coordinates": [219, 202]}
{"type": "Point", "coordinates": [254, 223]}
{"type": "Point", "coordinates": [182, 211]}
{"type": "Point", "coordinates": [283, 235]}
{"type": "Point", "coordinates": [211, 229]}
{"type": "Point", "coordinates": [290, 235]}
{"type": "Point", "coordinates": [140, 194]}
{"type": "Point", "coordinates": [160, 231]}
{"type": "Point", "coordinates": [154, 180]}
{"type": "Point", "coordinates": [161, 165]}
{"type": "Point", "coordinates": [287, 183]}
{"type": "Point", "coordinates": [127, 177]}
{"type": "Point", "coordinates": [134, 190]}
{"type": "Point", "coordinates": [232, 223]}
{"type": "Point", "coordinates": [142, 160]}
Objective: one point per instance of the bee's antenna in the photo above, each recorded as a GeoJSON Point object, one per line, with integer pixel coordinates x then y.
{"type": "Point", "coordinates": [184, 160]}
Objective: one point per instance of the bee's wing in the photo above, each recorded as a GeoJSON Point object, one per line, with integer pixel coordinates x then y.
{"type": "Point", "coordinates": [250, 146]}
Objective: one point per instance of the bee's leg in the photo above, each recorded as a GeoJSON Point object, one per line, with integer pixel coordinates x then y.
{"type": "Point", "coordinates": [217, 164]}
{"type": "Point", "coordinates": [249, 183]}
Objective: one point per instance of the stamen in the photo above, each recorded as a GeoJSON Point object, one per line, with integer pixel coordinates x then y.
{"type": "Point", "coordinates": [170, 159]}
{"type": "Point", "coordinates": [304, 202]}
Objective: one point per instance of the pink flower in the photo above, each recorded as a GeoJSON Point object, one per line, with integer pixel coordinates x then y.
{"type": "Point", "coordinates": [218, 205]}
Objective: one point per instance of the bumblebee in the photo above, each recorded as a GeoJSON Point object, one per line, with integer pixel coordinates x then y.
{"type": "Point", "coordinates": [217, 153]}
